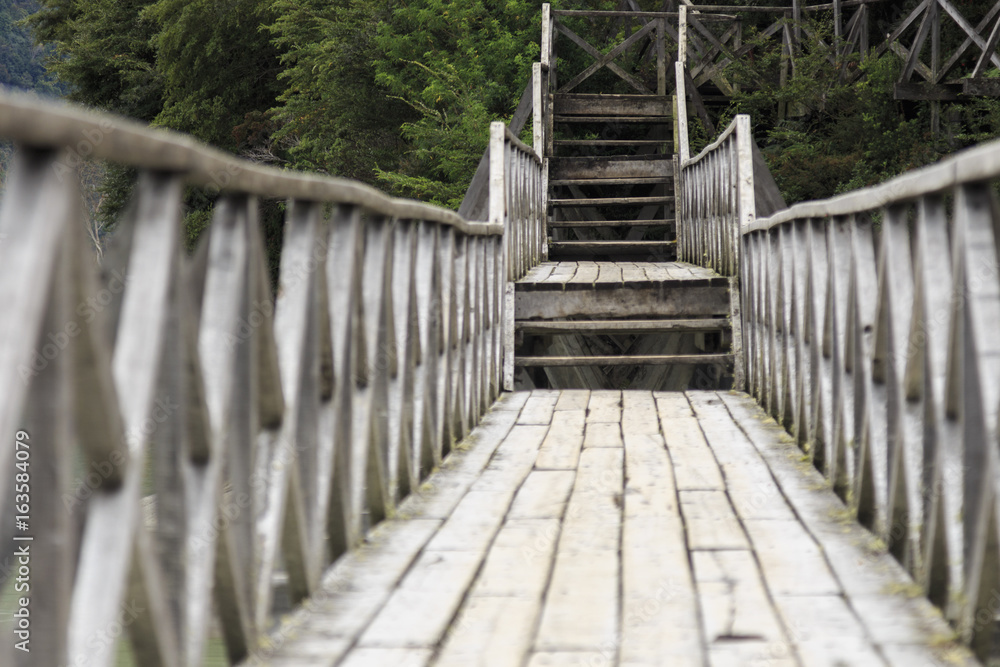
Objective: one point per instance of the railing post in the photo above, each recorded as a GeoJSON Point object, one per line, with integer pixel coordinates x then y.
{"type": "Point", "coordinates": [538, 108]}
{"type": "Point", "coordinates": [498, 215]}
{"type": "Point", "coordinates": [682, 123]}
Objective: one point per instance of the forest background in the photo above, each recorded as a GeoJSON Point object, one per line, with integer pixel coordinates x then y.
{"type": "Point", "coordinates": [400, 93]}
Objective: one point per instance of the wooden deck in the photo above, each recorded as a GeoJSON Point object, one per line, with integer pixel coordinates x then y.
{"type": "Point", "coordinates": [581, 528]}
{"type": "Point", "coordinates": [583, 275]}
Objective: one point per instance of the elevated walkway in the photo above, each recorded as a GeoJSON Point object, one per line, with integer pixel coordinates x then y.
{"type": "Point", "coordinates": [581, 528]}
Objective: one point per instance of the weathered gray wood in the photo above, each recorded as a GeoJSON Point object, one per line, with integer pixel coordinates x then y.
{"type": "Point", "coordinates": [574, 168]}
{"type": "Point", "coordinates": [612, 326]}
{"type": "Point", "coordinates": [710, 521]}
{"type": "Point", "coordinates": [664, 300]}
{"type": "Point", "coordinates": [561, 448]}
{"type": "Point", "coordinates": [625, 360]}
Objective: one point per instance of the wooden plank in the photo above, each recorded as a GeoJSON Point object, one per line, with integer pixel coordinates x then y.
{"type": "Point", "coordinates": [603, 434]}
{"type": "Point", "coordinates": [520, 560]}
{"type": "Point", "coordinates": [475, 521]}
{"type": "Point", "coordinates": [562, 224]}
{"type": "Point", "coordinates": [543, 495]}
{"type": "Point", "coordinates": [710, 521]}
{"type": "Point", "coordinates": [695, 466]}
{"type": "Point", "coordinates": [625, 360]}
{"type": "Point", "coordinates": [561, 448]}
{"type": "Point", "coordinates": [604, 406]}
{"type": "Point", "coordinates": [565, 168]}
{"type": "Point", "coordinates": [538, 409]}
{"type": "Point", "coordinates": [733, 601]}
{"type": "Point", "coordinates": [377, 657]}
{"type": "Point", "coordinates": [650, 490]}
{"type": "Point", "coordinates": [672, 405]}
{"type": "Point", "coordinates": [659, 605]}
{"type": "Point", "coordinates": [752, 489]}
{"type": "Point", "coordinates": [420, 609]}
{"type": "Point", "coordinates": [580, 617]}
{"type": "Point", "coordinates": [573, 399]}
{"type": "Point", "coordinates": [565, 104]}
{"type": "Point", "coordinates": [540, 273]}
{"type": "Point", "coordinates": [353, 590]}
{"type": "Point", "coordinates": [792, 562]}
{"type": "Point", "coordinates": [656, 300]}
{"type": "Point", "coordinates": [639, 415]}
{"type": "Point", "coordinates": [489, 632]}
{"type": "Point", "coordinates": [609, 272]}
{"type": "Point", "coordinates": [567, 658]}
{"type": "Point", "coordinates": [621, 326]}
{"type": "Point", "coordinates": [586, 273]}
{"type": "Point", "coordinates": [611, 201]}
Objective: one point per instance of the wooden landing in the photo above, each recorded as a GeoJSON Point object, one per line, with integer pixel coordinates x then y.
{"type": "Point", "coordinates": [597, 275]}
{"type": "Point", "coordinates": [582, 528]}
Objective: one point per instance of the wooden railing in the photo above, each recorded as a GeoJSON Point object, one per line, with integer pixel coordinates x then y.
{"type": "Point", "coordinates": [870, 325]}
{"type": "Point", "coordinates": [177, 433]}
{"type": "Point", "coordinates": [717, 200]}
{"type": "Point", "coordinates": [518, 196]}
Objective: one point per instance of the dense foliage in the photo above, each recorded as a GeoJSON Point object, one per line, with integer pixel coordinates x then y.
{"type": "Point", "coordinates": [400, 93]}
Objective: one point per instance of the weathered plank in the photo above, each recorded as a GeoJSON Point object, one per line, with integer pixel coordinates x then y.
{"type": "Point", "coordinates": [793, 564]}
{"type": "Point", "coordinates": [561, 448]}
{"type": "Point", "coordinates": [543, 495]}
{"type": "Point", "coordinates": [538, 408]}
{"type": "Point", "coordinates": [695, 466]}
{"type": "Point", "coordinates": [573, 400]}
{"type": "Point", "coordinates": [603, 434]}
{"type": "Point", "coordinates": [604, 406]}
{"type": "Point", "coordinates": [710, 521]}
{"type": "Point", "coordinates": [520, 560]}
{"type": "Point", "coordinates": [490, 632]}
{"type": "Point", "coordinates": [646, 301]}
{"type": "Point", "coordinates": [734, 603]}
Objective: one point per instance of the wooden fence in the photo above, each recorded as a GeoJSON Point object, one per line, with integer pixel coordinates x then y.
{"type": "Point", "coordinates": [870, 326]}
{"type": "Point", "coordinates": [176, 430]}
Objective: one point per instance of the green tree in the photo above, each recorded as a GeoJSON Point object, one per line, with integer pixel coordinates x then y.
{"type": "Point", "coordinates": [333, 114]}
{"type": "Point", "coordinates": [458, 65]}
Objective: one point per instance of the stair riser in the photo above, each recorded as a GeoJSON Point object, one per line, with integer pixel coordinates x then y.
{"type": "Point", "coordinates": [612, 105]}
{"type": "Point", "coordinates": [663, 300]}
{"type": "Point", "coordinates": [606, 167]}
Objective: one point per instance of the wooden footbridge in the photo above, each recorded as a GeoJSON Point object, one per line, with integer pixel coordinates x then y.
{"type": "Point", "coordinates": [640, 414]}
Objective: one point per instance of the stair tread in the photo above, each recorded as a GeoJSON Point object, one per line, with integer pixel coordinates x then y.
{"type": "Point", "coordinates": [612, 142]}
{"type": "Point", "coordinates": [637, 180]}
{"type": "Point", "coordinates": [603, 201]}
{"type": "Point", "coordinates": [621, 326]}
{"type": "Point", "coordinates": [609, 223]}
{"type": "Point", "coordinates": [606, 118]}
{"type": "Point", "coordinates": [633, 360]}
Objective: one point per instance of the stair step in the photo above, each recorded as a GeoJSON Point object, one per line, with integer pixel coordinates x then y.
{"type": "Point", "coordinates": [618, 105]}
{"type": "Point", "coordinates": [611, 166]}
{"type": "Point", "coordinates": [620, 326]}
{"type": "Point", "coordinates": [612, 142]}
{"type": "Point", "coordinates": [607, 223]}
{"type": "Point", "coordinates": [574, 249]}
{"type": "Point", "coordinates": [649, 180]}
{"type": "Point", "coordinates": [613, 119]}
{"type": "Point", "coordinates": [612, 201]}
{"type": "Point", "coordinates": [636, 360]}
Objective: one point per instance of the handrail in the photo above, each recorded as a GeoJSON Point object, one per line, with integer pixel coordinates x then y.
{"type": "Point", "coordinates": [193, 432]}
{"type": "Point", "coordinates": [870, 327]}
{"type": "Point", "coordinates": [30, 121]}
{"type": "Point", "coordinates": [978, 163]}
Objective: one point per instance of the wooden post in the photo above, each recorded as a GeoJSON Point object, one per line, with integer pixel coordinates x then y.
{"type": "Point", "coordinates": [682, 122]}
{"type": "Point", "coordinates": [682, 34]}
{"type": "Point", "coordinates": [537, 108]}
{"type": "Point", "coordinates": [546, 54]}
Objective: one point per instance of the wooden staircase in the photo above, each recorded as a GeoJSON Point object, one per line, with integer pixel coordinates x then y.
{"type": "Point", "coordinates": [611, 186]}
{"type": "Point", "coordinates": [613, 308]}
